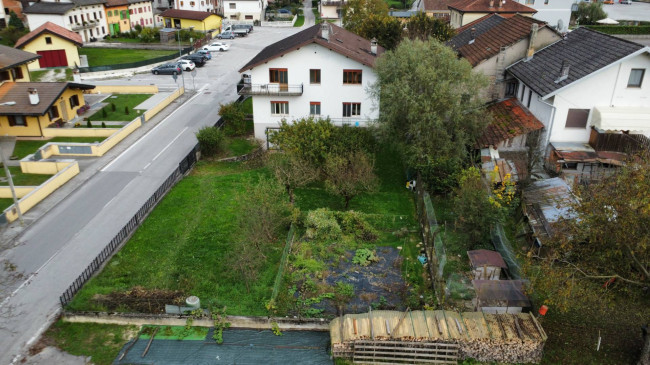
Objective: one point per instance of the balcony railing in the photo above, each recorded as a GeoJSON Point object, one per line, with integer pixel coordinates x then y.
{"type": "Point", "coordinates": [84, 25]}
{"type": "Point", "coordinates": [351, 121]}
{"type": "Point", "coordinates": [269, 89]}
{"type": "Point", "coordinates": [332, 3]}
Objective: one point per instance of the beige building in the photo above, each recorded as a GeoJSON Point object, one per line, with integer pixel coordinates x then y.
{"type": "Point", "coordinates": [56, 45]}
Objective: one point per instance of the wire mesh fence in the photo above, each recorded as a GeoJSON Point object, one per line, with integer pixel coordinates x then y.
{"type": "Point", "coordinates": [121, 66]}
{"type": "Point", "coordinates": [184, 165]}
{"type": "Point", "coordinates": [283, 263]}
{"type": "Point", "coordinates": [504, 247]}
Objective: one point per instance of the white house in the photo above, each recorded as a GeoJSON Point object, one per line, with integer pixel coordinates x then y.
{"type": "Point", "coordinates": [250, 10]}
{"type": "Point", "coordinates": [141, 13]}
{"type": "Point", "coordinates": [582, 87]}
{"type": "Point", "coordinates": [555, 12]}
{"type": "Point", "coordinates": [322, 71]}
{"type": "Point", "coordinates": [196, 5]}
{"type": "Point", "coordinates": [84, 17]}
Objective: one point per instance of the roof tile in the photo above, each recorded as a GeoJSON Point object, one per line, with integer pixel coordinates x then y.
{"type": "Point", "coordinates": [511, 119]}
{"type": "Point", "coordinates": [483, 6]}
{"type": "Point", "coordinates": [52, 28]}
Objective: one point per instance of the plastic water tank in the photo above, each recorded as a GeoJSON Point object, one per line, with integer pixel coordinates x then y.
{"type": "Point", "coordinates": [193, 302]}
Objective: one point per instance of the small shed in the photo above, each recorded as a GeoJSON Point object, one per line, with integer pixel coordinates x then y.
{"type": "Point", "coordinates": [500, 296]}
{"type": "Point", "coordinates": [56, 45]}
{"type": "Point", "coordinates": [486, 264]}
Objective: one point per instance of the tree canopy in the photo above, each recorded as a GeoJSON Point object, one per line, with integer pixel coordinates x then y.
{"type": "Point", "coordinates": [355, 13]}
{"type": "Point", "coordinates": [385, 29]}
{"type": "Point", "coordinates": [421, 26]}
{"type": "Point", "coordinates": [431, 105]}
{"type": "Point", "coordinates": [590, 13]}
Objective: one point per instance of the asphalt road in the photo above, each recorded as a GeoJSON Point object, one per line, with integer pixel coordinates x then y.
{"type": "Point", "coordinates": [59, 245]}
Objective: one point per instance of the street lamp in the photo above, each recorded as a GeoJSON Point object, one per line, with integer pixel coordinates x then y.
{"type": "Point", "coordinates": [180, 54]}
{"type": "Point", "coordinates": [6, 148]}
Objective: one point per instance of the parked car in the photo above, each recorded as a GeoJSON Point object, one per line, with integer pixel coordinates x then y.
{"type": "Point", "coordinates": [217, 46]}
{"type": "Point", "coordinates": [205, 53]}
{"type": "Point", "coordinates": [609, 2]}
{"type": "Point", "coordinates": [283, 11]}
{"type": "Point", "coordinates": [167, 69]}
{"type": "Point", "coordinates": [198, 59]}
{"type": "Point", "coordinates": [627, 2]}
{"type": "Point", "coordinates": [186, 65]}
{"type": "Point", "coordinates": [226, 35]}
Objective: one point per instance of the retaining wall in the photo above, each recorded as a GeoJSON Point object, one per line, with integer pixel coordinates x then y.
{"type": "Point", "coordinates": [124, 89]}
{"type": "Point", "coordinates": [21, 191]}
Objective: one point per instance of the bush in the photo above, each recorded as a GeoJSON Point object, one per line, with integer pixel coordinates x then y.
{"type": "Point", "coordinates": [104, 114]}
{"type": "Point", "coordinates": [150, 35]}
{"type": "Point", "coordinates": [364, 257]}
{"type": "Point", "coordinates": [88, 124]}
{"type": "Point", "coordinates": [234, 117]}
{"type": "Point", "coordinates": [211, 141]}
{"type": "Point", "coordinates": [113, 107]}
{"type": "Point", "coordinates": [126, 110]}
{"type": "Point", "coordinates": [355, 224]}
{"type": "Point", "coordinates": [321, 224]}
{"type": "Point", "coordinates": [103, 125]}
{"type": "Point", "coordinates": [621, 29]}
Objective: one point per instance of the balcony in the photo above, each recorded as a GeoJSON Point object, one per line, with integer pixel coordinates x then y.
{"type": "Point", "coordinates": [269, 89]}
{"type": "Point", "coordinates": [338, 4]}
{"type": "Point", "coordinates": [84, 25]}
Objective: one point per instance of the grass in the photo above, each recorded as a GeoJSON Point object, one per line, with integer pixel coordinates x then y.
{"type": "Point", "coordinates": [21, 179]}
{"type": "Point", "coordinates": [174, 333]}
{"type": "Point", "coordinates": [300, 21]}
{"type": "Point", "coordinates": [24, 148]}
{"type": "Point", "coordinates": [247, 105]}
{"type": "Point", "coordinates": [5, 203]}
{"type": "Point", "coordinates": [101, 341]}
{"type": "Point", "coordinates": [240, 146]}
{"type": "Point", "coordinates": [60, 74]}
{"type": "Point", "coordinates": [173, 252]}
{"type": "Point", "coordinates": [114, 56]}
{"type": "Point", "coordinates": [121, 101]}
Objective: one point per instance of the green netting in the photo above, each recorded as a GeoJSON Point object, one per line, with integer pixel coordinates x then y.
{"type": "Point", "coordinates": [438, 245]}
{"type": "Point", "coordinates": [503, 246]}
{"type": "Point", "coordinates": [459, 287]}
{"type": "Point", "coordinates": [283, 263]}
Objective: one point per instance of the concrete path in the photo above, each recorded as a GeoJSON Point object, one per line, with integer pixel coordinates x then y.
{"type": "Point", "coordinates": [154, 100]}
{"type": "Point", "coordinates": [310, 19]}
{"type": "Point", "coordinates": [67, 230]}
{"type": "Point", "coordinates": [637, 11]}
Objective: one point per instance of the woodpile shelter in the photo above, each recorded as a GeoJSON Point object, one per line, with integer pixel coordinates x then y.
{"type": "Point", "coordinates": [486, 264]}
{"type": "Point", "coordinates": [500, 296]}
{"type": "Point", "coordinates": [441, 337]}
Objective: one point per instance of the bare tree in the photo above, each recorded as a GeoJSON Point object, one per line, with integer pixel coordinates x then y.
{"type": "Point", "coordinates": [292, 172]}
{"type": "Point", "coordinates": [350, 175]}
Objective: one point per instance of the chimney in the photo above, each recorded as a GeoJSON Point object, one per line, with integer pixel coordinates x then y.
{"type": "Point", "coordinates": [531, 41]}
{"type": "Point", "coordinates": [373, 46]}
{"type": "Point", "coordinates": [501, 2]}
{"type": "Point", "coordinates": [472, 35]}
{"type": "Point", "coordinates": [33, 96]}
{"type": "Point", "coordinates": [564, 71]}
{"type": "Point", "coordinates": [325, 31]}
{"type": "Point", "coordinates": [492, 3]}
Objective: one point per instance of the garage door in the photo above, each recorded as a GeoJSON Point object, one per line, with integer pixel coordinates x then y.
{"type": "Point", "coordinates": [54, 58]}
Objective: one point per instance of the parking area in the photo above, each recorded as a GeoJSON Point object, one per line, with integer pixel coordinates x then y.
{"type": "Point", "coordinates": [636, 11]}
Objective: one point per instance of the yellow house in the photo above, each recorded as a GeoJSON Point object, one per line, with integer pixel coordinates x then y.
{"type": "Point", "coordinates": [26, 108]}
{"type": "Point", "coordinates": [200, 21]}
{"type": "Point", "coordinates": [56, 45]}
{"type": "Point", "coordinates": [13, 64]}
{"type": "Point", "coordinates": [117, 16]}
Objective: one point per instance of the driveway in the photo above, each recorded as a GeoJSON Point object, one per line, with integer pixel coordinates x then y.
{"type": "Point", "coordinates": [637, 11]}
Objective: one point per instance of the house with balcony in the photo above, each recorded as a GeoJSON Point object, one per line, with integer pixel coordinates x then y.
{"type": "Point", "coordinates": [13, 64]}
{"type": "Point", "coordinates": [244, 10]}
{"type": "Point", "coordinates": [57, 46]}
{"type": "Point", "coordinates": [556, 13]}
{"type": "Point", "coordinates": [323, 71]}
{"type": "Point", "coordinates": [26, 108]}
{"type": "Point", "coordinates": [462, 12]}
{"type": "Point", "coordinates": [592, 93]}
{"type": "Point", "coordinates": [84, 17]}
{"type": "Point", "coordinates": [209, 6]}
{"type": "Point", "coordinates": [141, 13]}
{"type": "Point", "coordinates": [493, 42]}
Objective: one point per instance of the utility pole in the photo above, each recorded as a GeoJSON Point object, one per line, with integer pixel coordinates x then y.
{"type": "Point", "coordinates": [7, 145]}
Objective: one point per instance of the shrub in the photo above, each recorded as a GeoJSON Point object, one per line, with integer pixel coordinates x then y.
{"type": "Point", "coordinates": [210, 141]}
{"type": "Point", "coordinates": [88, 124]}
{"type": "Point", "coordinates": [126, 110]}
{"type": "Point", "coordinates": [113, 107]}
{"type": "Point", "coordinates": [364, 257]}
{"type": "Point", "coordinates": [354, 223]}
{"type": "Point", "coordinates": [103, 125]}
{"type": "Point", "coordinates": [234, 117]}
{"type": "Point", "coordinates": [321, 224]}
{"type": "Point", "coordinates": [104, 114]}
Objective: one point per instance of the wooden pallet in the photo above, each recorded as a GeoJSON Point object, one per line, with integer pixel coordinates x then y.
{"type": "Point", "coordinates": [400, 352]}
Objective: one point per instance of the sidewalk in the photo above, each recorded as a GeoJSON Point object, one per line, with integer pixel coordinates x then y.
{"type": "Point", "coordinates": [9, 234]}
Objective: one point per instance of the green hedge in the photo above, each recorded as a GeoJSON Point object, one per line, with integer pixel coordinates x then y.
{"type": "Point", "coordinates": [621, 29]}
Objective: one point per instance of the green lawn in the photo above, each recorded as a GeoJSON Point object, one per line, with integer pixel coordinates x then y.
{"type": "Point", "coordinates": [21, 179]}
{"type": "Point", "coordinates": [60, 75]}
{"type": "Point", "coordinates": [114, 56]}
{"type": "Point", "coordinates": [247, 105]}
{"type": "Point", "coordinates": [121, 101]}
{"type": "Point", "coordinates": [5, 203]}
{"type": "Point", "coordinates": [101, 341]}
{"type": "Point", "coordinates": [174, 333]}
{"type": "Point", "coordinates": [300, 21]}
{"type": "Point", "coordinates": [240, 146]}
{"type": "Point", "coordinates": [24, 148]}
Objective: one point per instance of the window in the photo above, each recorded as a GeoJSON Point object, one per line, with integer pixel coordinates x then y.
{"type": "Point", "coordinates": [91, 33]}
{"type": "Point", "coordinates": [5, 76]}
{"type": "Point", "coordinates": [53, 113]}
{"type": "Point", "coordinates": [140, 11]}
{"type": "Point", "coordinates": [279, 107]}
{"type": "Point", "coordinates": [103, 30]}
{"type": "Point", "coordinates": [577, 118]}
{"type": "Point", "coordinates": [17, 120]}
{"type": "Point", "coordinates": [352, 76]}
{"type": "Point", "coordinates": [545, 2]}
{"type": "Point", "coordinates": [75, 19]}
{"type": "Point", "coordinates": [523, 91]}
{"type": "Point", "coordinates": [82, 18]}
{"type": "Point", "coordinates": [530, 2]}
{"type": "Point", "coordinates": [131, 11]}
{"type": "Point", "coordinates": [70, 19]}
{"type": "Point", "coordinates": [314, 76]}
{"type": "Point", "coordinates": [351, 109]}
{"type": "Point", "coordinates": [192, 3]}
{"type": "Point", "coordinates": [278, 75]}
{"type": "Point", "coordinates": [314, 108]}
{"type": "Point", "coordinates": [95, 15]}
{"type": "Point", "coordinates": [233, 17]}
{"type": "Point", "coordinates": [18, 73]}
{"type": "Point", "coordinates": [100, 15]}
{"type": "Point", "coordinates": [511, 88]}
{"type": "Point", "coordinates": [248, 17]}
{"type": "Point", "coordinates": [530, 97]}
{"type": "Point", "coordinates": [74, 101]}
{"type": "Point", "coordinates": [233, 5]}
{"type": "Point", "coordinates": [110, 13]}
{"type": "Point", "coordinates": [636, 77]}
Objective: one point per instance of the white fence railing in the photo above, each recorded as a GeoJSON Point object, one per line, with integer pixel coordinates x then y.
{"type": "Point", "coordinates": [279, 24]}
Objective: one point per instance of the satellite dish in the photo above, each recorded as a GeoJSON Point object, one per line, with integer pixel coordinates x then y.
{"type": "Point", "coordinates": [560, 24]}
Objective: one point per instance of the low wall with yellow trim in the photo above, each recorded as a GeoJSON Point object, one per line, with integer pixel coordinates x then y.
{"type": "Point", "coordinates": [21, 191]}
{"type": "Point", "coordinates": [43, 191]}
{"type": "Point", "coordinates": [108, 143]}
{"type": "Point", "coordinates": [124, 89]}
{"type": "Point", "coordinates": [168, 100]}
{"type": "Point", "coordinates": [43, 167]}
{"type": "Point", "coordinates": [78, 132]}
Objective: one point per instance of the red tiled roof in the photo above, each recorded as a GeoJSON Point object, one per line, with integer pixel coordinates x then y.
{"type": "Point", "coordinates": [437, 5]}
{"type": "Point", "coordinates": [340, 41]}
{"type": "Point", "coordinates": [48, 93]}
{"type": "Point", "coordinates": [504, 34]}
{"type": "Point", "coordinates": [472, 24]}
{"type": "Point", "coordinates": [511, 119]}
{"type": "Point", "coordinates": [112, 3]}
{"type": "Point", "coordinates": [185, 14]}
{"type": "Point", "coordinates": [479, 258]}
{"type": "Point", "coordinates": [483, 6]}
{"type": "Point", "coordinates": [51, 28]}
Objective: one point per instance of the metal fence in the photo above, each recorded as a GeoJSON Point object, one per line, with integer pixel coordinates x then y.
{"type": "Point", "coordinates": [283, 262]}
{"type": "Point", "coordinates": [122, 66]}
{"type": "Point", "coordinates": [183, 166]}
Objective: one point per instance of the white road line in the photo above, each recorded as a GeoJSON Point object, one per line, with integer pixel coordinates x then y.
{"type": "Point", "coordinates": [154, 128]}
{"type": "Point", "coordinates": [169, 144]}
{"type": "Point", "coordinates": [109, 202]}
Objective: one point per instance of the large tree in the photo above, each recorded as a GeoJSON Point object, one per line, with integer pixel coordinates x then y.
{"type": "Point", "coordinates": [421, 26]}
{"type": "Point", "coordinates": [355, 13]}
{"type": "Point", "coordinates": [431, 105]}
{"type": "Point", "coordinates": [385, 29]}
{"type": "Point", "coordinates": [589, 13]}
{"type": "Point", "coordinates": [292, 172]}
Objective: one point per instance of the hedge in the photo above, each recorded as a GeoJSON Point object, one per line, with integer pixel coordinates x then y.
{"type": "Point", "coordinates": [621, 29]}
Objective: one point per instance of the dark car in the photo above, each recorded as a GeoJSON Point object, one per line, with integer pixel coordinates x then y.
{"type": "Point", "coordinates": [167, 69]}
{"type": "Point", "coordinates": [198, 59]}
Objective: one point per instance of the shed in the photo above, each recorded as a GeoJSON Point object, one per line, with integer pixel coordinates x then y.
{"type": "Point", "coordinates": [56, 45]}
{"type": "Point", "coordinates": [486, 264]}
{"type": "Point", "coordinates": [500, 296]}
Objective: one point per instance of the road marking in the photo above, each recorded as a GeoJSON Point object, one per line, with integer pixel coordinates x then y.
{"type": "Point", "coordinates": [154, 128]}
{"type": "Point", "coordinates": [145, 166]}
{"type": "Point", "coordinates": [168, 145]}
{"type": "Point", "coordinates": [109, 202]}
